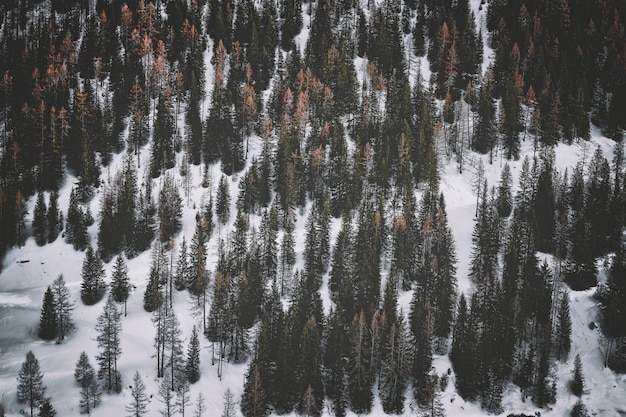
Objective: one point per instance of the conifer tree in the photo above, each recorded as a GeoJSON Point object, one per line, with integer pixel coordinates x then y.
{"type": "Point", "coordinates": [153, 297]}
{"type": "Point", "coordinates": [30, 387]}
{"type": "Point", "coordinates": [197, 279]}
{"type": "Point", "coordinates": [564, 329]}
{"type": "Point", "coordinates": [254, 398]}
{"type": "Point", "coordinates": [579, 409]}
{"type": "Point", "coordinates": [93, 286]}
{"type": "Point", "coordinates": [120, 285]}
{"type": "Point", "coordinates": [64, 307]}
{"type": "Point", "coordinates": [222, 207]}
{"type": "Point", "coordinates": [109, 327]}
{"type": "Point", "coordinates": [181, 273]}
{"type": "Point", "coordinates": [504, 200]}
{"type": "Point", "coordinates": [138, 406]}
{"type": "Point", "coordinates": [46, 409]}
{"type": "Point", "coordinates": [40, 225]}
{"type": "Point", "coordinates": [76, 223]}
{"type": "Point", "coordinates": [170, 210]}
{"type": "Point", "coordinates": [48, 325]}
{"type": "Point", "coordinates": [577, 384]}
{"type": "Point", "coordinates": [166, 396]}
{"type": "Point", "coordinates": [83, 367]}
{"type": "Point", "coordinates": [192, 366]}
{"type": "Point", "coordinates": [53, 217]}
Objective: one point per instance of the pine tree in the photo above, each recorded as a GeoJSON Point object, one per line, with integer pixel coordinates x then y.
{"type": "Point", "coordinates": [109, 328]}
{"type": "Point", "coordinates": [170, 210]}
{"type": "Point", "coordinates": [53, 218]}
{"type": "Point", "coordinates": [579, 409]}
{"type": "Point", "coordinates": [181, 273]}
{"type": "Point", "coordinates": [153, 297]}
{"type": "Point", "coordinates": [76, 223]}
{"type": "Point", "coordinates": [30, 387]}
{"type": "Point", "coordinates": [120, 285]}
{"type": "Point", "coordinates": [197, 279]}
{"type": "Point", "coordinates": [46, 409]}
{"type": "Point", "coordinates": [138, 406]}
{"type": "Point", "coordinates": [504, 200]}
{"type": "Point", "coordinates": [48, 325]}
{"type": "Point", "coordinates": [40, 225]}
{"type": "Point", "coordinates": [564, 329]}
{"type": "Point", "coordinates": [93, 286]}
{"type": "Point", "coordinates": [577, 384]}
{"type": "Point", "coordinates": [192, 366]}
{"type": "Point", "coordinates": [222, 208]}
{"type": "Point", "coordinates": [64, 307]}
{"type": "Point", "coordinates": [254, 399]}
{"type": "Point", "coordinates": [83, 367]}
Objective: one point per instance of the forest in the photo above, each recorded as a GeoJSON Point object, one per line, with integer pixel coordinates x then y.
{"type": "Point", "coordinates": [321, 130]}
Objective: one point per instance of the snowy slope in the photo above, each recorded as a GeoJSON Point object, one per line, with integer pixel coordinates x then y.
{"type": "Point", "coordinates": [29, 270]}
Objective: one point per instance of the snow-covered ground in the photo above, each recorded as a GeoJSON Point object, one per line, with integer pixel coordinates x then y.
{"type": "Point", "coordinates": [28, 270]}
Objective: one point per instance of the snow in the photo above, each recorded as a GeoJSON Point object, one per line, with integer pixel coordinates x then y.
{"type": "Point", "coordinates": [28, 270]}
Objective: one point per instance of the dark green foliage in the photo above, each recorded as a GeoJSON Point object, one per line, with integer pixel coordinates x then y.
{"type": "Point", "coordinates": [462, 351]}
{"type": "Point", "coordinates": [504, 199]}
{"type": "Point", "coordinates": [577, 384]}
{"type": "Point", "coordinates": [198, 276]}
{"type": "Point", "coordinates": [83, 367]}
{"type": "Point", "coordinates": [30, 387]}
{"type": "Point", "coordinates": [120, 284]}
{"type": "Point", "coordinates": [222, 205]}
{"type": "Point", "coordinates": [92, 286]}
{"type": "Point", "coordinates": [153, 297]}
{"type": "Point", "coordinates": [46, 409]}
{"type": "Point", "coordinates": [64, 307]}
{"type": "Point", "coordinates": [564, 329]}
{"type": "Point", "coordinates": [170, 210]}
{"type": "Point", "coordinates": [254, 398]}
{"type": "Point", "coordinates": [76, 223]}
{"type": "Point", "coordinates": [54, 218]}
{"type": "Point", "coordinates": [40, 226]}
{"type": "Point", "coordinates": [579, 409]}
{"type": "Point", "coordinates": [48, 325]}
{"type": "Point", "coordinates": [192, 365]}
{"type": "Point", "coordinates": [545, 209]}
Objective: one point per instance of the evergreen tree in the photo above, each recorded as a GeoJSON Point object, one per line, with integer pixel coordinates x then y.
{"type": "Point", "coordinates": [166, 396]}
{"type": "Point", "coordinates": [93, 286]}
{"type": "Point", "coordinates": [197, 279]}
{"type": "Point", "coordinates": [40, 225]}
{"type": "Point", "coordinates": [170, 210]}
{"type": "Point", "coordinates": [120, 285]}
{"type": "Point", "coordinates": [254, 398]}
{"type": "Point", "coordinates": [46, 409]}
{"type": "Point", "coordinates": [76, 223]}
{"type": "Point", "coordinates": [222, 208]}
{"type": "Point", "coordinates": [138, 406]}
{"type": "Point", "coordinates": [30, 387]}
{"type": "Point", "coordinates": [192, 366]}
{"type": "Point", "coordinates": [53, 218]}
{"type": "Point", "coordinates": [48, 325]}
{"type": "Point", "coordinates": [109, 327]}
{"type": "Point", "coordinates": [181, 273]}
{"type": "Point", "coordinates": [109, 241]}
{"type": "Point", "coordinates": [579, 409]}
{"type": "Point", "coordinates": [504, 200]}
{"type": "Point", "coordinates": [83, 367]}
{"type": "Point", "coordinates": [564, 329]}
{"type": "Point", "coordinates": [577, 384]}
{"type": "Point", "coordinates": [153, 297]}
{"type": "Point", "coordinates": [64, 307]}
